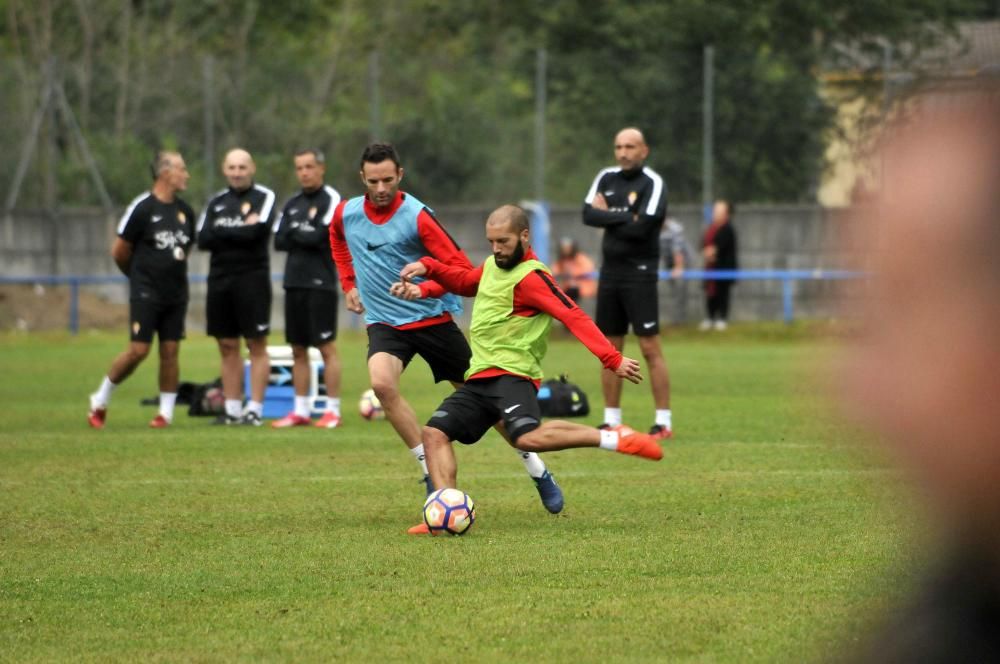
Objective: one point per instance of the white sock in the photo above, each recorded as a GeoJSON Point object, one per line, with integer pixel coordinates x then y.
{"type": "Point", "coordinates": [167, 402]}
{"type": "Point", "coordinates": [613, 416]}
{"type": "Point", "coordinates": [255, 407]}
{"type": "Point", "coordinates": [333, 405]}
{"type": "Point", "coordinates": [532, 463]}
{"type": "Point", "coordinates": [663, 417]}
{"type": "Point", "coordinates": [234, 407]}
{"type": "Point", "coordinates": [609, 440]}
{"type": "Point", "coordinates": [302, 406]}
{"type": "Point", "coordinates": [418, 452]}
{"type": "Point", "coordinates": [102, 396]}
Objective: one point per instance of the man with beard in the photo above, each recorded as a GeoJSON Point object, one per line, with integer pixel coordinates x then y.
{"type": "Point", "coordinates": [516, 299]}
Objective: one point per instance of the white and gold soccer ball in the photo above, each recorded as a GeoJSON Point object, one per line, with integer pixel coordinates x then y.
{"type": "Point", "coordinates": [369, 406]}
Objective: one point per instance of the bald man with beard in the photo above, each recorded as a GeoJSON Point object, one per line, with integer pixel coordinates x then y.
{"type": "Point", "coordinates": [235, 227]}
{"type": "Point", "coordinates": [926, 371]}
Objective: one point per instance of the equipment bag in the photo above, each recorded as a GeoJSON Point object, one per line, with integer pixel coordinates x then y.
{"type": "Point", "coordinates": [558, 397]}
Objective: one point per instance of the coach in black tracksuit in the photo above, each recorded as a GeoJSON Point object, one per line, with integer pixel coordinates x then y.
{"type": "Point", "coordinates": [235, 226]}
{"type": "Point", "coordinates": [630, 203]}
{"type": "Point", "coordinates": [303, 230]}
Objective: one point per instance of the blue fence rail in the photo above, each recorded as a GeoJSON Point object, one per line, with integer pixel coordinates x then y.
{"type": "Point", "coordinates": [786, 277]}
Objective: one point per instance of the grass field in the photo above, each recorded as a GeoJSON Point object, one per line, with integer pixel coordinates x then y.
{"type": "Point", "coordinates": [765, 534]}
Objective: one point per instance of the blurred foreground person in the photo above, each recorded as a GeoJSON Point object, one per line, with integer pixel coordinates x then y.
{"type": "Point", "coordinates": [926, 375]}
{"type": "Point", "coordinates": [154, 239]}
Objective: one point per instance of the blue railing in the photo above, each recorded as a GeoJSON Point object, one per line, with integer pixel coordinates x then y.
{"type": "Point", "coordinates": [786, 277]}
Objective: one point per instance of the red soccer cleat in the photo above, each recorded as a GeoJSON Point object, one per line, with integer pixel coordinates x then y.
{"type": "Point", "coordinates": [96, 417]}
{"type": "Point", "coordinates": [159, 422]}
{"type": "Point", "coordinates": [419, 529]}
{"type": "Point", "coordinates": [639, 444]}
{"type": "Point", "coordinates": [291, 420]}
{"type": "Point", "coordinates": [660, 432]}
{"type": "Point", "coordinates": [328, 421]}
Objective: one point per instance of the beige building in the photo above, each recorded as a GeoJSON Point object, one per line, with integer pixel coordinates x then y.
{"type": "Point", "coordinates": [868, 90]}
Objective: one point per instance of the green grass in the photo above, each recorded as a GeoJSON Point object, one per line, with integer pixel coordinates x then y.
{"type": "Point", "coordinates": [765, 534]}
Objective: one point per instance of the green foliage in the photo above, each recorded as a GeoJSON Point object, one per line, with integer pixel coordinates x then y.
{"type": "Point", "coordinates": [455, 86]}
{"type": "Point", "coordinates": [765, 534]}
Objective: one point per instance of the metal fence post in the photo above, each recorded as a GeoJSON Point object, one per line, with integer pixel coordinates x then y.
{"type": "Point", "coordinates": [786, 295]}
{"type": "Point", "coordinates": [74, 306]}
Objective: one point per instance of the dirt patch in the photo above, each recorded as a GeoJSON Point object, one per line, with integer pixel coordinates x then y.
{"type": "Point", "coordinates": [43, 308]}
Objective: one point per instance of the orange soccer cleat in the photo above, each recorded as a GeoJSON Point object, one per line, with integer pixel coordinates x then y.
{"type": "Point", "coordinates": [96, 417]}
{"type": "Point", "coordinates": [638, 444]}
{"type": "Point", "coordinates": [660, 432]}
{"type": "Point", "coordinates": [159, 422]}
{"type": "Point", "coordinates": [419, 529]}
{"type": "Point", "coordinates": [291, 420]}
{"type": "Point", "coordinates": [328, 421]}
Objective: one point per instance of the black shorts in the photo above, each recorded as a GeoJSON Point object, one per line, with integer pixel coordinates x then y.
{"type": "Point", "coordinates": [310, 316]}
{"type": "Point", "coordinates": [164, 319]}
{"type": "Point", "coordinates": [622, 302]}
{"type": "Point", "coordinates": [473, 408]}
{"type": "Point", "coordinates": [443, 347]}
{"type": "Point", "coordinates": [239, 306]}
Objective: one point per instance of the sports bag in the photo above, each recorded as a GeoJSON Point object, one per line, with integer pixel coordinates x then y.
{"type": "Point", "coordinates": [558, 397]}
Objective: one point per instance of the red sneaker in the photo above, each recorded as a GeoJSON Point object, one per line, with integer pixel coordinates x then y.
{"type": "Point", "coordinates": [159, 422]}
{"type": "Point", "coordinates": [96, 417]}
{"type": "Point", "coordinates": [660, 432]}
{"type": "Point", "coordinates": [328, 421]}
{"type": "Point", "coordinates": [640, 444]}
{"type": "Point", "coordinates": [291, 420]}
{"type": "Point", "coordinates": [419, 529]}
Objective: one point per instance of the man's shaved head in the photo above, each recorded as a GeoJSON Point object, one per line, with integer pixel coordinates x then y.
{"type": "Point", "coordinates": [509, 214]}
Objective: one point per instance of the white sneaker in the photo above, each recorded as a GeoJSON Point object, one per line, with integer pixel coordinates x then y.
{"type": "Point", "coordinates": [720, 326]}
{"type": "Point", "coordinates": [705, 325]}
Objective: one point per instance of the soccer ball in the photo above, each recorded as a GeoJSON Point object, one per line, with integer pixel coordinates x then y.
{"type": "Point", "coordinates": [449, 511]}
{"type": "Point", "coordinates": [370, 407]}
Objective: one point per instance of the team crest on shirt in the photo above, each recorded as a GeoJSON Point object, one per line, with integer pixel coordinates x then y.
{"type": "Point", "coordinates": [245, 208]}
{"type": "Point", "coordinates": [135, 327]}
{"type": "Point", "coordinates": [312, 212]}
{"type": "Point", "coordinates": [181, 217]}
{"type": "Point", "coordinates": [632, 197]}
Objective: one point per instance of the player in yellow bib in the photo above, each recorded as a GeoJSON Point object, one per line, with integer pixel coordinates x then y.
{"type": "Point", "coordinates": [515, 302]}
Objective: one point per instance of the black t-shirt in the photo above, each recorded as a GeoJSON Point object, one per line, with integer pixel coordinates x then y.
{"type": "Point", "coordinates": [161, 235]}
{"type": "Point", "coordinates": [637, 206]}
{"type": "Point", "coordinates": [303, 230]}
{"type": "Point", "coordinates": [237, 247]}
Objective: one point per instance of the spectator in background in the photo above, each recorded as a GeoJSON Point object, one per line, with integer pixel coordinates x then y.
{"type": "Point", "coordinates": [235, 227]}
{"type": "Point", "coordinates": [574, 271]}
{"type": "Point", "coordinates": [154, 238]}
{"type": "Point", "coordinates": [926, 371]}
{"type": "Point", "coordinates": [303, 231]}
{"type": "Point", "coordinates": [629, 202]}
{"type": "Point", "coordinates": [718, 248]}
{"type": "Point", "coordinates": [676, 255]}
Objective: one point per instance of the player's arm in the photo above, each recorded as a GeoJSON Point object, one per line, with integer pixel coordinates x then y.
{"type": "Point", "coordinates": [121, 252]}
{"type": "Point", "coordinates": [457, 279]}
{"type": "Point", "coordinates": [208, 237]}
{"type": "Point", "coordinates": [595, 208]}
{"type": "Point", "coordinates": [539, 291]}
{"type": "Point", "coordinates": [648, 214]}
{"type": "Point", "coordinates": [441, 246]}
{"type": "Point", "coordinates": [339, 250]}
{"type": "Point", "coordinates": [282, 231]}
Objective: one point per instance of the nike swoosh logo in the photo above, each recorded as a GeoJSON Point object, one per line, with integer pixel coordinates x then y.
{"type": "Point", "coordinates": [219, 208]}
{"type": "Point", "coordinates": [646, 326]}
{"type": "Point", "coordinates": [325, 335]}
{"type": "Point", "coordinates": [373, 247]}
{"type": "Point", "coordinates": [575, 407]}
{"type": "Point", "coordinates": [511, 409]}
{"type": "Point", "coordinates": [155, 218]}
{"type": "Point", "coordinates": [261, 327]}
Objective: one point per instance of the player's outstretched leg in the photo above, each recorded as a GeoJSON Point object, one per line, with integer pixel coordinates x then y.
{"type": "Point", "coordinates": [561, 435]}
